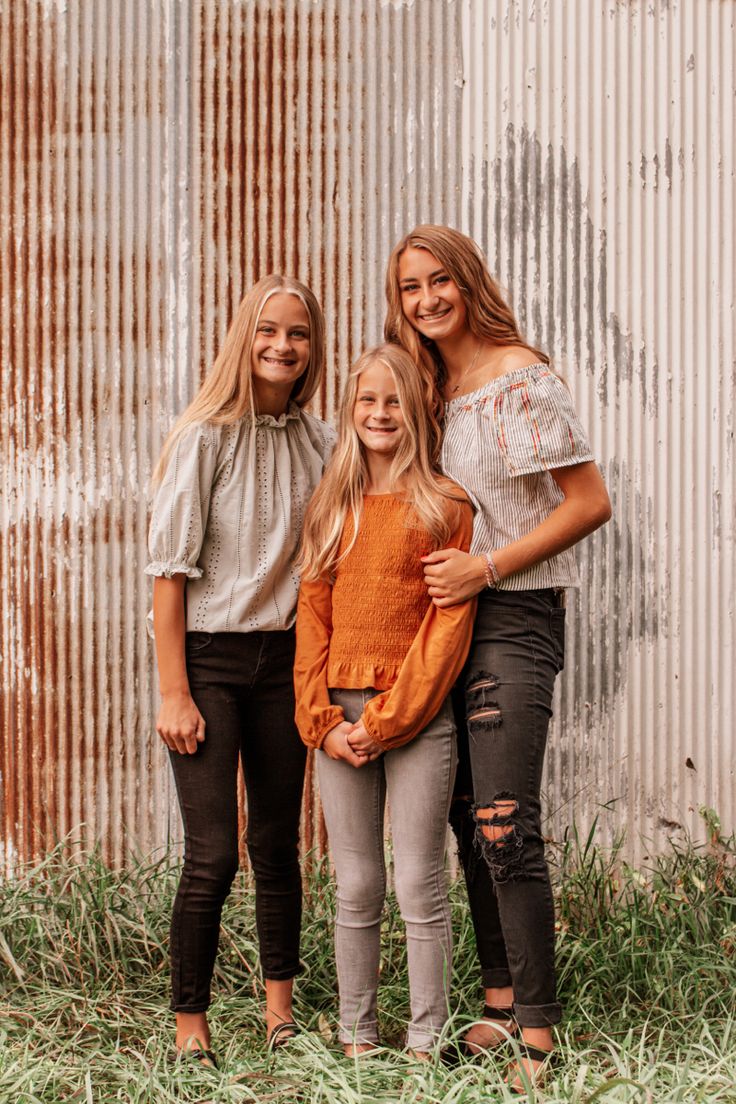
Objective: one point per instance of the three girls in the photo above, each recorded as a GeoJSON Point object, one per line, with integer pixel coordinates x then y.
{"type": "Point", "coordinates": [368, 693]}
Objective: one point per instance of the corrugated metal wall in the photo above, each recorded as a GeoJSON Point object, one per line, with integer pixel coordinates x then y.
{"type": "Point", "coordinates": [598, 158]}
{"type": "Point", "coordinates": [158, 157]}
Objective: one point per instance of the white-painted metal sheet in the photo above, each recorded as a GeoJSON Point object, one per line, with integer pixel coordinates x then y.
{"type": "Point", "coordinates": [155, 159]}
{"type": "Point", "coordinates": [598, 175]}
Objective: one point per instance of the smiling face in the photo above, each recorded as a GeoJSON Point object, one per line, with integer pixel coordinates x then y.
{"type": "Point", "coordinates": [377, 414]}
{"type": "Point", "coordinates": [280, 352]}
{"type": "Point", "coordinates": [430, 298]}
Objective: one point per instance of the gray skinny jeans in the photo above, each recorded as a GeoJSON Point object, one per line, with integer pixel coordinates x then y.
{"type": "Point", "coordinates": [418, 781]}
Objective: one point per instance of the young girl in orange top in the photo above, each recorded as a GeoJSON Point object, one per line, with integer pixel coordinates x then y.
{"type": "Point", "coordinates": [375, 661]}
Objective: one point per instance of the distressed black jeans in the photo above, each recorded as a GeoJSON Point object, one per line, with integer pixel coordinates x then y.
{"type": "Point", "coordinates": [502, 710]}
{"type": "Point", "coordinates": [242, 684]}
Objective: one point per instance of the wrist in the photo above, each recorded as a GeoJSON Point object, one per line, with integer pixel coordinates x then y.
{"type": "Point", "coordinates": [171, 693]}
{"type": "Point", "coordinates": [492, 574]}
{"type": "Point", "coordinates": [481, 572]}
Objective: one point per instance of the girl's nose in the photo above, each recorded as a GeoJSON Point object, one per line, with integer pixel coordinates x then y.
{"type": "Point", "coordinates": [429, 300]}
{"type": "Point", "coordinates": [281, 341]}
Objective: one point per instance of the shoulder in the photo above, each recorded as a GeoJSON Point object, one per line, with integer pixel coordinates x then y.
{"type": "Point", "coordinates": [514, 358]}
{"type": "Point", "coordinates": [200, 435]}
{"type": "Point", "coordinates": [534, 382]}
{"type": "Point", "coordinates": [320, 433]}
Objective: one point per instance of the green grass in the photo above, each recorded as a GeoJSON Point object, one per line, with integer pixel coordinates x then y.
{"type": "Point", "coordinates": [647, 966]}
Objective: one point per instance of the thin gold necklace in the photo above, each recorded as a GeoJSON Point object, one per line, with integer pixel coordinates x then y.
{"type": "Point", "coordinates": [468, 370]}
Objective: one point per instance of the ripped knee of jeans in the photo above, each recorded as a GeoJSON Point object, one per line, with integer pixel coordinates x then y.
{"type": "Point", "coordinates": [483, 711]}
{"type": "Point", "coordinates": [499, 837]}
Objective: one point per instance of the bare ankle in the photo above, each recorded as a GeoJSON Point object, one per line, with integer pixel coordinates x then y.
{"type": "Point", "coordinates": [278, 1003]}
{"type": "Point", "coordinates": [354, 1050]}
{"type": "Point", "coordinates": [192, 1030]}
{"type": "Point", "coordinates": [540, 1037]}
{"type": "Point", "coordinates": [500, 996]}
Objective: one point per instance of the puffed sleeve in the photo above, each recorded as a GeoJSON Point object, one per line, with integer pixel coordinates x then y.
{"type": "Point", "coordinates": [536, 425]}
{"type": "Point", "coordinates": [321, 435]}
{"type": "Point", "coordinates": [315, 714]}
{"type": "Point", "coordinates": [181, 505]}
{"type": "Point", "coordinates": [430, 667]}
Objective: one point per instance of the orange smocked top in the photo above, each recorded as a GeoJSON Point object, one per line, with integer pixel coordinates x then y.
{"type": "Point", "coordinates": [376, 626]}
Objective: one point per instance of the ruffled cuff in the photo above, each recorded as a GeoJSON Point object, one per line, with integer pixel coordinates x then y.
{"type": "Point", "coordinates": [368, 717]}
{"type": "Point", "coordinates": [167, 569]}
{"type": "Point", "coordinates": [322, 723]}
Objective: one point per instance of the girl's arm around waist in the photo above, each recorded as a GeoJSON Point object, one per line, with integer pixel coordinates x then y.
{"type": "Point", "coordinates": [452, 576]}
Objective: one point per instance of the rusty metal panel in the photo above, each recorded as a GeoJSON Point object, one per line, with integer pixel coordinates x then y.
{"type": "Point", "coordinates": [156, 159]}
{"type": "Point", "coordinates": [598, 155]}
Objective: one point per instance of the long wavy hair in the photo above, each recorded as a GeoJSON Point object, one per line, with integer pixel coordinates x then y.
{"type": "Point", "coordinates": [226, 394]}
{"type": "Point", "coordinates": [414, 470]}
{"type": "Point", "coordinates": [489, 316]}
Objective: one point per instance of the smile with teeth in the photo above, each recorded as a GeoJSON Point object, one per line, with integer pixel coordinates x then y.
{"type": "Point", "coordinates": [277, 360]}
{"type": "Point", "coordinates": [435, 316]}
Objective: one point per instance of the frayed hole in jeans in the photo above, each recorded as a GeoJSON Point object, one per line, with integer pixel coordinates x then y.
{"type": "Point", "coordinates": [499, 837]}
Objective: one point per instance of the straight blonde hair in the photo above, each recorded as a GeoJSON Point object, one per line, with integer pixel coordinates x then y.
{"type": "Point", "coordinates": [226, 394]}
{"type": "Point", "coordinates": [414, 469]}
{"type": "Point", "coordinates": [489, 316]}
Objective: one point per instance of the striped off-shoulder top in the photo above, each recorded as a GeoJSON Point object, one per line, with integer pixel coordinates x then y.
{"type": "Point", "coordinates": [499, 444]}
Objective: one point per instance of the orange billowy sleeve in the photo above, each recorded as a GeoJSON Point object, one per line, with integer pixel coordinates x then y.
{"type": "Point", "coordinates": [315, 716]}
{"type": "Point", "coordinates": [430, 668]}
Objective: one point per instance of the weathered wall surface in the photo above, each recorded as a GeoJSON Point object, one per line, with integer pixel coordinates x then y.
{"type": "Point", "coordinates": [156, 158]}
{"type": "Point", "coordinates": [598, 173]}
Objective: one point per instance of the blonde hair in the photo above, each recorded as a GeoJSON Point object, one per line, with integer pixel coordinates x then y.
{"type": "Point", "coordinates": [489, 316]}
{"type": "Point", "coordinates": [414, 468]}
{"type": "Point", "coordinates": [226, 393]}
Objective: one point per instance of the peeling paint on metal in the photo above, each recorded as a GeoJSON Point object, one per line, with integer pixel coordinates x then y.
{"type": "Point", "coordinates": [156, 159]}
{"type": "Point", "coordinates": [599, 197]}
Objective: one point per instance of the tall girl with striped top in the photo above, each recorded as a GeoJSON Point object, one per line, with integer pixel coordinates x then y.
{"type": "Point", "coordinates": [513, 441]}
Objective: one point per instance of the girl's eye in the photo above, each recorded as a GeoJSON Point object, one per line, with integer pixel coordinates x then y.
{"type": "Point", "coordinates": [265, 329]}
{"type": "Point", "coordinates": [394, 402]}
{"type": "Point", "coordinates": [300, 335]}
{"type": "Point", "coordinates": [442, 280]}
{"type": "Point", "coordinates": [408, 287]}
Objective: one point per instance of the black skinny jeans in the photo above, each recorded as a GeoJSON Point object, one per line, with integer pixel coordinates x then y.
{"type": "Point", "coordinates": [242, 684]}
{"type": "Point", "coordinates": [502, 711]}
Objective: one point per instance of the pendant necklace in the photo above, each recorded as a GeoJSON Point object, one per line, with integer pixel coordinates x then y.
{"type": "Point", "coordinates": [468, 370]}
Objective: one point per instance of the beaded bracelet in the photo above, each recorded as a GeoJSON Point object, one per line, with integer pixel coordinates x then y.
{"type": "Point", "coordinates": [492, 576]}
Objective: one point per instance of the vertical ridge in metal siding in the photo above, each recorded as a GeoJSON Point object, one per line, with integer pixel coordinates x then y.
{"type": "Point", "coordinates": [163, 158]}
{"type": "Point", "coordinates": [609, 247]}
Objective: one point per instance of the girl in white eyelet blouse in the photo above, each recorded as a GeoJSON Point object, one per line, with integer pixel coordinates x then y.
{"type": "Point", "coordinates": [233, 484]}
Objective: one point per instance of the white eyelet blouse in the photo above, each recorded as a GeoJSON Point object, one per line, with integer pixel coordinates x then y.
{"type": "Point", "coordinates": [499, 444]}
{"type": "Point", "coordinates": [228, 515]}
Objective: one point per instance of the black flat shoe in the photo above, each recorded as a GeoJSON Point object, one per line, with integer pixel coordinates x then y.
{"type": "Point", "coordinates": [282, 1034]}
{"type": "Point", "coordinates": [505, 1018]}
{"type": "Point", "coordinates": [205, 1058]}
{"type": "Point", "coordinates": [535, 1077]}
